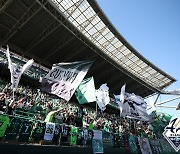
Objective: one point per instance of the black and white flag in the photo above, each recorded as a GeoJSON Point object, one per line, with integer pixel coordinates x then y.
{"type": "Point", "coordinates": [137, 107]}
{"type": "Point", "coordinates": [64, 78]}
{"type": "Point", "coordinates": [15, 71]}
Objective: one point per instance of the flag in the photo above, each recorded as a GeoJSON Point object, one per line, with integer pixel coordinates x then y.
{"type": "Point", "coordinates": [124, 107]}
{"type": "Point", "coordinates": [10, 66]}
{"type": "Point", "coordinates": [122, 93]}
{"type": "Point", "coordinates": [27, 66]}
{"type": "Point", "coordinates": [178, 107]}
{"type": "Point", "coordinates": [122, 98]}
{"type": "Point", "coordinates": [137, 107]}
{"type": "Point", "coordinates": [9, 59]}
{"type": "Point", "coordinates": [86, 91]}
{"type": "Point", "coordinates": [120, 101]}
{"type": "Point", "coordinates": [64, 78]}
{"type": "Point", "coordinates": [16, 73]}
{"type": "Point", "coordinates": [102, 96]}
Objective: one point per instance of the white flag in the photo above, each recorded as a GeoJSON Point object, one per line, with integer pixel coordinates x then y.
{"type": "Point", "coordinates": [122, 98]}
{"type": "Point", "coordinates": [9, 63]}
{"type": "Point", "coordinates": [27, 66]}
{"type": "Point", "coordinates": [124, 108]}
{"type": "Point", "coordinates": [122, 93]}
{"type": "Point", "coordinates": [16, 73]}
{"type": "Point", "coordinates": [9, 59]}
{"type": "Point", "coordinates": [102, 96]}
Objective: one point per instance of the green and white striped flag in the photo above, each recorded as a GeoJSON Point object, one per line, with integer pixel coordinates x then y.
{"type": "Point", "coordinates": [85, 92]}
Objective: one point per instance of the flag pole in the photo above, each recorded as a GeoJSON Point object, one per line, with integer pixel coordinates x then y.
{"type": "Point", "coordinates": [12, 99]}
{"type": "Point", "coordinates": [96, 109]}
{"type": "Point", "coordinates": [13, 95]}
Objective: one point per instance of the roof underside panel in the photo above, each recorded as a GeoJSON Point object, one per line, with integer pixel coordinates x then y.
{"type": "Point", "coordinates": [52, 31]}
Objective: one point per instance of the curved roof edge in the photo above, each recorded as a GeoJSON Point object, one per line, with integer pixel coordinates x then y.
{"type": "Point", "coordinates": [109, 24]}
{"type": "Point", "coordinates": [89, 20]}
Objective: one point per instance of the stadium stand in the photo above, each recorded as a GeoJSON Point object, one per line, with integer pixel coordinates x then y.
{"type": "Point", "coordinates": [53, 31]}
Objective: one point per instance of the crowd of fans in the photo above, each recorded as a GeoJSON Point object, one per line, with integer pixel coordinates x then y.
{"type": "Point", "coordinates": [33, 103]}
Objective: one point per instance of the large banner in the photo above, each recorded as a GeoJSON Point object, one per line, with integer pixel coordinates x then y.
{"type": "Point", "coordinates": [156, 146]}
{"type": "Point", "coordinates": [144, 145]}
{"type": "Point", "coordinates": [108, 140]}
{"type": "Point", "coordinates": [86, 92]}
{"type": "Point", "coordinates": [64, 78]}
{"type": "Point", "coordinates": [97, 143]}
{"type": "Point", "coordinates": [135, 107]}
{"type": "Point", "coordinates": [49, 132]}
{"type": "Point", "coordinates": [132, 144]}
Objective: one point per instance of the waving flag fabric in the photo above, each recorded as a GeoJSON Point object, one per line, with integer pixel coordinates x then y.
{"type": "Point", "coordinates": [15, 71]}
{"type": "Point", "coordinates": [102, 96]}
{"type": "Point", "coordinates": [64, 78]}
{"type": "Point", "coordinates": [85, 92]}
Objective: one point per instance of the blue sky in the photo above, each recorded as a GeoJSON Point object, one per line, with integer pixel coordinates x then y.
{"type": "Point", "coordinates": [152, 27]}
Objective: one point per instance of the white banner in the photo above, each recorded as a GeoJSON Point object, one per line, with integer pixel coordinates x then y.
{"type": "Point", "coordinates": [102, 96]}
{"type": "Point", "coordinates": [97, 134]}
{"type": "Point", "coordinates": [64, 78]}
{"type": "Point", "coordinates": [133, 107]}
{"type": "Point", "coordinates": [124, 107]}
{"type": "Point", "coordinates": [49, 132]}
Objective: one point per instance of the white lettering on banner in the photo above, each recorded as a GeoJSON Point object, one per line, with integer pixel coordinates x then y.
{"type": "Point", "coordinates": [49, 132]}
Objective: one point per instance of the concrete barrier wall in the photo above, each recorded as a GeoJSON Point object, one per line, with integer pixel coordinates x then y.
{"type": "Point", "coordinates": [33, 149]}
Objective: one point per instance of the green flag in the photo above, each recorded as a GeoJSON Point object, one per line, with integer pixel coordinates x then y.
{"type": "Point", "coordinates": [86, 91]}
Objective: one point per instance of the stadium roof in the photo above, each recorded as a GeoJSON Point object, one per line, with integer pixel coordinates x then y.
{"type": "Point", "coordinates": [53, 31]}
